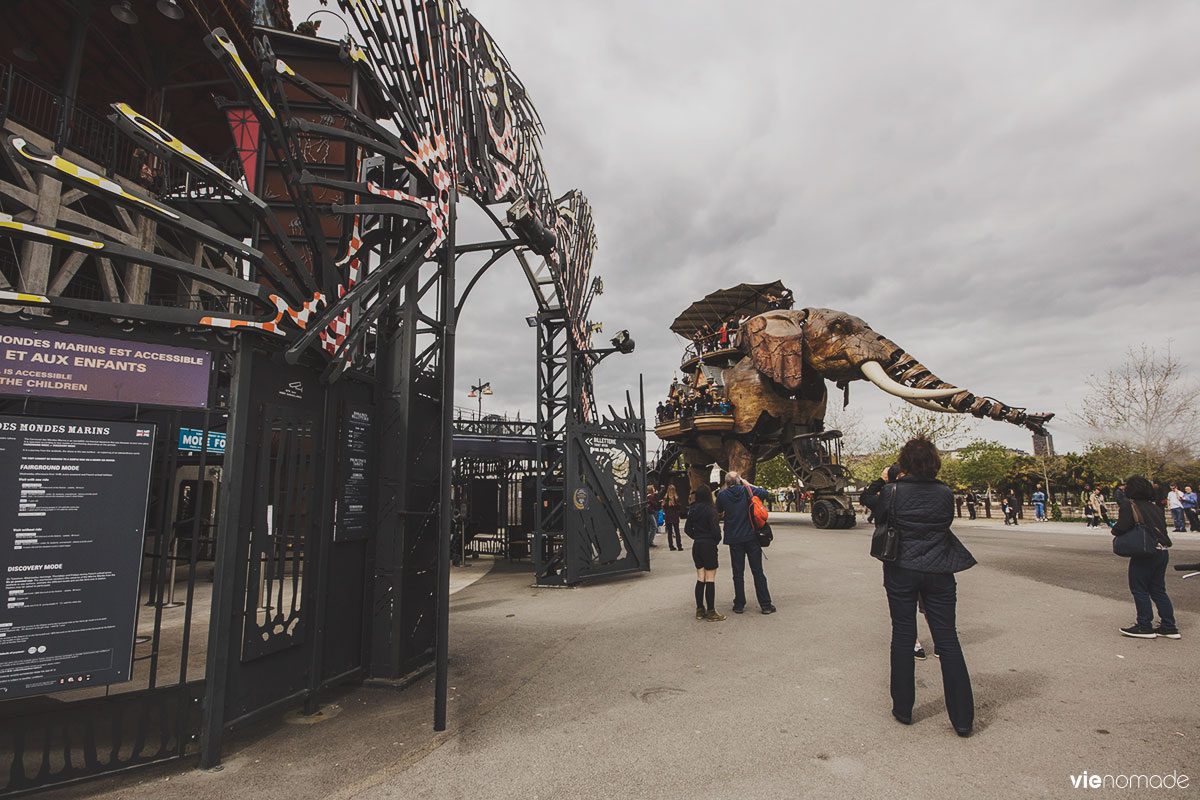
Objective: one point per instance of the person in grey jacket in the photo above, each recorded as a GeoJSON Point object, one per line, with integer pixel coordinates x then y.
{"type": "Point", "coordinates": [922, 508]}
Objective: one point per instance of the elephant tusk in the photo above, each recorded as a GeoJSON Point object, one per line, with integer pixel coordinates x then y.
{"type": "Point", "coordinates": [929, 405]}
{"type": "Point", "coordinates": [875, 373]}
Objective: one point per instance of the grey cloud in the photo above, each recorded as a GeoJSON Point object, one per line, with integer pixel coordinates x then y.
{"type": "Point", "coordinates": [1009, 190]}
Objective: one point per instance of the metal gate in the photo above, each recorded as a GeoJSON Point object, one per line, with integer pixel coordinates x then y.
{"type": "Point", "coordinates": [607, 525]}
{"type": "Point", "coordinates": [279, 632]}
{"type": "Point", "coordinates": [62, 738]}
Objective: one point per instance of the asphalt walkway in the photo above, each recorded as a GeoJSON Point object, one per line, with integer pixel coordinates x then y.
{"type": "Point", "coordinates": [614, 690]}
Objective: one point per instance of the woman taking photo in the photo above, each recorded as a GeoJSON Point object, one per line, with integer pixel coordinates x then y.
{"type": "Point", "coordinates": [921, 508]}
{"type": "Point", "coordinates": [705, 532]}
{"type": "Point", "coordinates": [671, 511]}
{"type": "Point", "coordinates": [1147, 574]}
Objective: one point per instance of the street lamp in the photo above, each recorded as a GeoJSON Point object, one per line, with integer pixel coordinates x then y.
{"type": "Point", "coordinates": [479, 390]}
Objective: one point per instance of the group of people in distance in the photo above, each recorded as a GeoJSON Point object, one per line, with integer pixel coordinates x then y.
{"type": "Point", "coordinates": [686, 401]}
{"type": "Point", "coordinates": [921, 508]}
{"type": "Point", "coordinates": [1182, 505]}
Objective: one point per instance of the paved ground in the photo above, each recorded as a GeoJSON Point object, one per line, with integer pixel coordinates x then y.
{"type": "Point", "coordinates": [615, 691]}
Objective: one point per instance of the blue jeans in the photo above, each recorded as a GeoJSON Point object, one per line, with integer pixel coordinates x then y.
{"type": "Point", "coordinates": [1039, 510]}
{"type": "Point", "coordinates": [1147, 581]}
{"type": "Point", "coordinates": [1177, 516]}
{"type": "Point", "coordinates": [938, 593]}
{"type": "Point", "coordinates": [738, 554]}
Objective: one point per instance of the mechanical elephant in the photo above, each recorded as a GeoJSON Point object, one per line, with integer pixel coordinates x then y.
{"type": "Point", "coordinates": [777, 387]}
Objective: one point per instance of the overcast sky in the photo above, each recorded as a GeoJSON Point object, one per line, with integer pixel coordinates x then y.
{"type": "Point", "coordinates": [1008, 189]}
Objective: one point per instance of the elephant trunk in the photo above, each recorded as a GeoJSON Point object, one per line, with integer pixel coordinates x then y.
{"type": "Point", "coordinates": [926, 390]}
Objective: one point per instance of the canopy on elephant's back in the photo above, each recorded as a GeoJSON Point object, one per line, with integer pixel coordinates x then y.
{"type": "Point", "coordinates": [745, 299]}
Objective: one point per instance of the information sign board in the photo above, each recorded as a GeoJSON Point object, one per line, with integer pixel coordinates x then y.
{"type": "Point", "coordinates": [49, 363]}
{"type": "Point", "coordinates": [353, 504]}
{"type": "Point", "coordinates": [73, 499]}
{"type": "Point", "coordinates": [191, 438]}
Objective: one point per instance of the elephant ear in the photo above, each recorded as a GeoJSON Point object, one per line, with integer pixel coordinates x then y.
{"type": "Point", "coordinates": [774, 341]}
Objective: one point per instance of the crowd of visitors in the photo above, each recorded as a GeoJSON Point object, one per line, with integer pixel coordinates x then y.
{"type": "Point", "coordinates": [909, 498]}
{"type": "Point", "coordinates": [688, 402]}
{"type": "Point", "coordinates": [707, 340]}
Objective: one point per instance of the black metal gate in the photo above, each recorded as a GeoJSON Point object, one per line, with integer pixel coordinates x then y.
{"type": "Point", "coordinates": [291, 597]}
{"type": "Point", "coordinates": [607, 527]}
{"type": "Point", "coordinates": [51, 740]}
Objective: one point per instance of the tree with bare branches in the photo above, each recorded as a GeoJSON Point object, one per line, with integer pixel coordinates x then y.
{"type": "Point", "coordinates": [1149, 405]}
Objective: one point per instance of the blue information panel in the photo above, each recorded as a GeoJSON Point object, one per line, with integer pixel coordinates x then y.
{"type": "Point", "coordinates": [191, 438]}
{"type": "Point", "coordinates": [72, 519]}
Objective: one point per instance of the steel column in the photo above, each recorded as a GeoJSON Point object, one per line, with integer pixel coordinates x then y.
{"type": "Point", "coordinates": [445, 506]}
{"type": "Point", "coordinates": [225, 590]}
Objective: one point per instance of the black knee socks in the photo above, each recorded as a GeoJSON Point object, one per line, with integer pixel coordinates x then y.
{"type": "Point", "coordinates": [710, 594]}
{"type": "Point", "coordinates": [700, 594]}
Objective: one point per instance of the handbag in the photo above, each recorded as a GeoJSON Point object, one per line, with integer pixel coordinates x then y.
{"type": "Point", "coordinates": [1138, 540]}
{"type": "Point", "coordinates": [765, 535]}
{"type": "Point", "coordinates": [885, 542]}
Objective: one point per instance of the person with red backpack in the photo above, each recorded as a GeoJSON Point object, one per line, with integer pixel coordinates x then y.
{"type": "Point", "coordinates": [740, 535]}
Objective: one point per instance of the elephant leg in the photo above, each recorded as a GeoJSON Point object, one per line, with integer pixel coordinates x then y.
{"type": "Point", "coordinates": [698, 469]}
{"type": "Point", "coordinates": [740, 459]}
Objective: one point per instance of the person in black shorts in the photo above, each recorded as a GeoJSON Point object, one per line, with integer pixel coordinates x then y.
{"type": "Point", "coordinates": [702, 527]}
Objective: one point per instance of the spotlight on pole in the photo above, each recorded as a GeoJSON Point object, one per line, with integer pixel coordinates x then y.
{"type": "Point", "coordinates": [623, 342]}
{"type": "Point", "coordinates": [531, 321]}
{"type": "Point", "coordinates": [123, 10]}
{"type": "Point", "coordinates": [530, 228]}
{"type": "Point", "coordinates": [170, 9]}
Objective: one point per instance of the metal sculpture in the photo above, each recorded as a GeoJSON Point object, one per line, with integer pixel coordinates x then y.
{"type": "Point", "coordinates": [463, 124]}
{"type": "Point", "coordinates": [349, 269]}
{"type": "Point", "coordinates": [772, 382]}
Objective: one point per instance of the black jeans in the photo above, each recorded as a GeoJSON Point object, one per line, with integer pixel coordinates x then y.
{"type": "Point", "coordinates": [1147, 580]}
{"type": "Point", "coordinates": [673, 540]}
{"type": "Point", "coordinates": [938, 593]}
{"type": "Point", "coordinates": [738, 554]}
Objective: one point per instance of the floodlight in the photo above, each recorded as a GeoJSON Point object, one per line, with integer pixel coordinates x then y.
{"type": "Point", "coordinates": [623, 342]}
{"type": "Point", "coordinates": [123, 10]}
{"type": "Point", "coordinates": [170, 9]}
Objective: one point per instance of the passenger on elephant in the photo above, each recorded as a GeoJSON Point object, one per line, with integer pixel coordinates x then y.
{"type": "Point", "coordinates": [660, 413]}
{"type": "Point", "coordinates": [921, 507]}
{"type": "Point", "coordinates": [705, 532]}
{"type": "Point", "coordinates": [734, 502]}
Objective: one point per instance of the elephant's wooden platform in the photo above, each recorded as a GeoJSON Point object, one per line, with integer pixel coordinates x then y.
{"type": "Point", "coordinates": [704, 423]}
{"type": "Point", "coordinates": [720, 357]}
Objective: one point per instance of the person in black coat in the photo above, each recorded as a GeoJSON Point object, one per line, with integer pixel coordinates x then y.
{"type": "Point", "coordinates": [922, 508]}
{"type": "Point", "coordinates": [1147, 574]}
{"type": "Point", "coordinates": [705, 531]}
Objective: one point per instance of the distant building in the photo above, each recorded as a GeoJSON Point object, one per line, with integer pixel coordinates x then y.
{"type": "Point", "coordinates": [1043, 445]}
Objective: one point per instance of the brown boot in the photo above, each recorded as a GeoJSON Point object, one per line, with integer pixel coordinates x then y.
{"type": "Point", "coordinates": [714, 616]}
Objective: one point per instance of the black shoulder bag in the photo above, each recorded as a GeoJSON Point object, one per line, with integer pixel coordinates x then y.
{"type": "Point", "coordinates": [885, 542]}
{"type": "Point", "coordinates": [1138, 540]}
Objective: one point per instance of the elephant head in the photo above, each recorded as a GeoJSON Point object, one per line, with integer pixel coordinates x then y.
{"type": "Point", "coordinates": [796, 346]}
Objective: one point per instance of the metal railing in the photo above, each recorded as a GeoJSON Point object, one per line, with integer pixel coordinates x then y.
{"type": "Point", "coordinates": [709, 344]}
{"type": "Point", "coordinates": [40, 108]}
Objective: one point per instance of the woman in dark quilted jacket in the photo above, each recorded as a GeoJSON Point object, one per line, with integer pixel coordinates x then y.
{"type": "Point", "coordinates": [1147, 574]}
{"type": "Point", "coordinates": [922, 508]}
